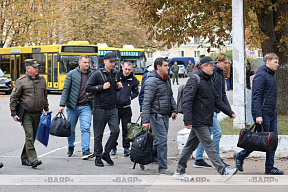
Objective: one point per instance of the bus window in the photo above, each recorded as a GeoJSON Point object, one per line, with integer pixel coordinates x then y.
{"type": "Point", "coordinates": [5, 63]}
{"type": "Point", "coordinates": [55, 68]}
{"type": "Point", "coordinates": [70, 62]}
{"type": "Point", "coordinates": [22, 65]}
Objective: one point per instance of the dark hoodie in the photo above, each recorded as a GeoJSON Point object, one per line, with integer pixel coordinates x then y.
{"type": "Point", "coordinates": [264, 92]}
{"type": "Point", "coordinates": [129, 90]}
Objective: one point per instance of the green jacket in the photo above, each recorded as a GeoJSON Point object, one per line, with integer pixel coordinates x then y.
{"type": "Point", "coordinates": [31, 93]}
{"type": "Point", "coordinates": [175, 68]}
{"type": "Point", "coordinates": [71, 89]}
{"type": "Point", "coordinates": [190, 67]}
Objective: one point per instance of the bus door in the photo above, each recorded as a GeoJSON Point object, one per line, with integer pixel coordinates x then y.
{"type": "Point", "coordinates": [14, 67]}
{"type": "Point", "coordinates": [52, 71]}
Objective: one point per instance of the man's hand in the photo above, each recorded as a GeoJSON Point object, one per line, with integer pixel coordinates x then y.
{"type": "Point", "coordinates": [119, 85]}
{"type": "Point", "coordinates": [16, 118]}
{"type": "Point", "coordinates": [188, 126]}
{"type": "Point", "coordinates": [61, 110]}
{"type": "Point", "coordinates": [259, 120]}
{"type": "Point", "coordinates": [233, 116]}
{"type": "Point", "coordinates": [106, 85]}
{"type": "Point", "coordinates": [174, 116]}
{"type": "Point", "coordinates": [146, 126]}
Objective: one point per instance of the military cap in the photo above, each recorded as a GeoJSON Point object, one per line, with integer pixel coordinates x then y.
{"type": "Point", "coordinates": [31, 62]}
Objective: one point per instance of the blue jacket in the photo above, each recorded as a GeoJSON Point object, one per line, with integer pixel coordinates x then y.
{"type": "Point", "coordinates": [129, 90]}
{"type": "Point", "coordinates": [71, 89]}
{"type": "Point", "coordinates": [264, 92]}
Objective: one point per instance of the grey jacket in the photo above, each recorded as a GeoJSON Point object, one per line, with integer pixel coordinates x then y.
{"type": "Point", "coordinates": [71, 88]}
{"type": "Point", "coordinates": [158, 97]}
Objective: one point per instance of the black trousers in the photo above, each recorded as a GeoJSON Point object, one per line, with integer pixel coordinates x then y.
{"type": "Point", "coordinates": [124, 115]}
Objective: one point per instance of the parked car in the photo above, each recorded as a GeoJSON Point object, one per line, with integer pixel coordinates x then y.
{"type": "Point", "coordinates": [181, 73]}
{"type": "Point", "coordinates": [5, 83]}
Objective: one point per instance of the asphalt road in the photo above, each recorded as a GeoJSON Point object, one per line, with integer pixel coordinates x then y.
{"type": "Point", "coordinates": [59, 172]}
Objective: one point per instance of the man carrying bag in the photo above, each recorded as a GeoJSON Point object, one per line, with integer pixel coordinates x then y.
{"type": "Point", "coordinates": [264, 100]}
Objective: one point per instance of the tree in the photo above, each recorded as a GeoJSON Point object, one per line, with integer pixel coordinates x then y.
{"type": "Point", "coordinates": [266, 22]}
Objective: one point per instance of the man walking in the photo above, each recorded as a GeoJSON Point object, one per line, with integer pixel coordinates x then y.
{"type": "Point", "coordinates": [30, 92]}
{"type": "Point", "coordinates": [198, 109]}
{"type": "Point", "coordinates": [219, 85]}
{"type": "Point", "coordinates": [190, 67]}
{"type": "Point", "coordinates": [158, 106]}
{"type": "Point", "coordinates": [264, 100]}
{"type": "Point", "coordinates": [175, 69]}
{"type": "Point", "coordinates": [75, 98]}
{"type": "Point", "coordinates": [124, 97]}
{"type": "Point", "coordinates": [104, 83]}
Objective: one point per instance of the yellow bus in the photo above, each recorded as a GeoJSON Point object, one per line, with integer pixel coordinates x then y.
{"type": "Point", "coordinates": [55, 61]}
{"type": "Point", "coordinates": [135, 56]}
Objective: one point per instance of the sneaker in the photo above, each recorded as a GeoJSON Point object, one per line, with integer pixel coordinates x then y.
{"type": "Point", "coordinates": [126, 151]}
{"type": "Point", "coordinates": [70, 152]}
{"type": "Point", "coordinates": [226, 165]}
{"type": "Point", "coordinates": [201, 164]}
{"type": "Point", "coordinates": [229, 173]}
{"type": "Point", "coordinates": [36, 163]}
{"type": "Point", "coordinates": [182, 176]}
{"type": "Point", "coordinates": [142, 166]}
{"type": "Point", "coordinates": [113, 151]}
{"type": "Point", "coordinates": [99, 162]}
{"type": "Point", "coordinates": [1, 165]}
{"type": "Point", "coordinates": [87, 154]}
{"type": "Point", "coordinates": [165, 171]}
{"type": "Point", "coordinates": [238, 161]}
{"type": "Point", "coordinates": [274, 171]}
{"type": "Point", "coordinates": [107, 159]}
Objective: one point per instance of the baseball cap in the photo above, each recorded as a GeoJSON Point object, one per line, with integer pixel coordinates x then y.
{"type": "Point", "coordinates": [31, 62]}
{"type": "Point", "coordinates": [207, 59]}
{"type": "Point", "coordinates": [111, 56]}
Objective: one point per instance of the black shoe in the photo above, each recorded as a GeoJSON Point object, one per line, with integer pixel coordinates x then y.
{"type": "Point", "coordinates": [87, 154]}
{"type": "Point", "coordinates": [99, 162]}
{"type": "Point", "coordinates": [1, 165]}
{"type": "Point", "coordinates": [274, 171]}
{"type": "Point", "coordinates": [201, 164]}
{"type": "Point", "coordinates": [27, 163]}
{"type": "Point", "coordinates": [106, 157]}
{"type": "Point", "coordinates": [226, 165]}
{"type": "Point", "coordinates": [238, 161]}
{"type": "Point", "coordinates": [113, 151]}
{"type": "Point", "coordinates": [70, 152]}
{"type": "Point", "coordinates": [142, 166]}
{"type": "Point", "coordinates": [36, 163]}
{"type": "Point", "coordinates": [127, 151]}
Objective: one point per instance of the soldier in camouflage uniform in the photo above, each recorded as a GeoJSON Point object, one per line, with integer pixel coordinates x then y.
{"type": "Point", "coordinates": [30, 91]}
{"type": "Point", "coordinates": [175, 69]}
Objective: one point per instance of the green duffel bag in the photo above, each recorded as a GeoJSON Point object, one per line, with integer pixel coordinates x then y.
{"type": "Point", "coordinates": [133, 129]}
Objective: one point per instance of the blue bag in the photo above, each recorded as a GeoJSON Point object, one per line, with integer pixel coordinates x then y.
{"type": "Point", "coordinates": [44, 128]}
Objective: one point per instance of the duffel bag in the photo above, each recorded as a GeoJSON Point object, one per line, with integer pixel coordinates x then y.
{"type": "Point", "coordinates": [60, 127]}
{"type": "Point", "coordinates": [257, 141]}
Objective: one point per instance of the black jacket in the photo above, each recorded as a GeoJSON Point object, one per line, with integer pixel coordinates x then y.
{"type": "Point", "coordinates": [264, 92]}
{"type": "Point", "coordinates": [198, 103]}
{"type": "Point", "coordinates": [103, 98]}
{"type": "Point", "coordinates": [219, 86]}
{"type": "Point", "coordinates": [158, 97]}
{"type": "Point", "coordinates": [129, 90]}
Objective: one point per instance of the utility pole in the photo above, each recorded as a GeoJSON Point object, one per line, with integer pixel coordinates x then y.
{"type": "Point", "coordinates": [239, 98]}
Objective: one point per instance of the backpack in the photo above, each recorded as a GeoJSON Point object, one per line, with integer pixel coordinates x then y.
{"type": "Point", "coordinates": [142, 149]}
{"type": "Point", "coordinates": [181, 92]}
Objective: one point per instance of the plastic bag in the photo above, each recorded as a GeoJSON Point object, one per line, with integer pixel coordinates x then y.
{"type": "Point", "coordinates": [44, 129]}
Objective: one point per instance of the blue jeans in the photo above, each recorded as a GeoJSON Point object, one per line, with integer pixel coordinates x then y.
{"type": "Point", "coordinates": [228, 83]}
{"type": "Point", "coordinates": [270, 125]}
{"type": "Point", "coordinates": [217, 133]}
{"type": "Point", "coordinates": [84, 114]}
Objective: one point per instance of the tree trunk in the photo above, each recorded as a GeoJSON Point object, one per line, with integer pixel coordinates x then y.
{"type": "Point", "coordinates": [267, 23]}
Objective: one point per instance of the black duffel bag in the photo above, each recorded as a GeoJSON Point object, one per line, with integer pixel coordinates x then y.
{"type": "Point", "coordinates": [257, 141]}
{"type": "Point", "coordinates": [60, 127]}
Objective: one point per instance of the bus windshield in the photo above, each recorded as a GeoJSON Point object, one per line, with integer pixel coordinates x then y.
{"type": "Point", "coordinates": [69, 62]}
{"type": "Point", "coordinates": [135, 57]}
